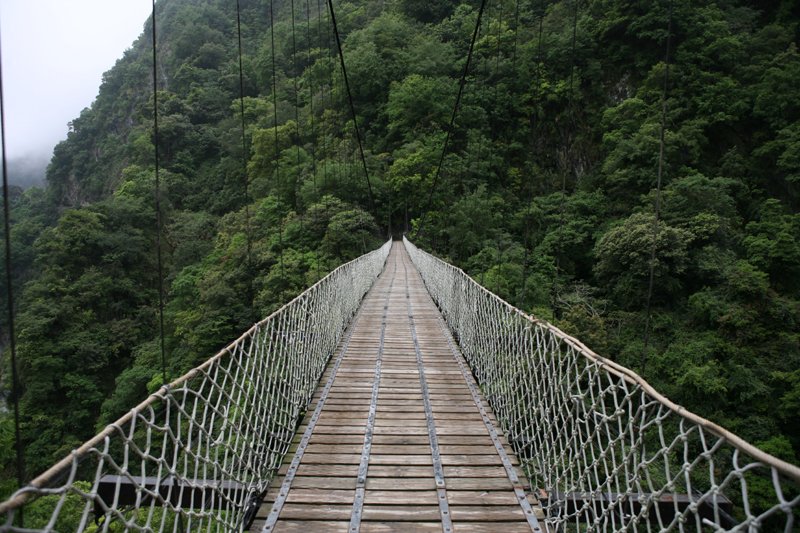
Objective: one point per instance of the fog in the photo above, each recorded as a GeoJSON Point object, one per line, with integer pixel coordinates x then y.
{"type": "Point", "coordinates": [54, 53]}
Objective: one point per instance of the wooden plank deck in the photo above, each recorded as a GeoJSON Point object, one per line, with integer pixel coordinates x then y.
{"type": "Point", "coordinates": [397, 437]}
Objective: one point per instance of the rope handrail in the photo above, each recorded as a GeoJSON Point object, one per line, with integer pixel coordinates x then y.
{"type": "Point", "coordinates": [201, 450]}
{"type": "Point", "coordinates": [588, 428]}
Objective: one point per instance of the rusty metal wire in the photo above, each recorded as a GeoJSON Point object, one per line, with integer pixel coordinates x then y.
{"type": "Point", "coordinates": [602, 448]}
{"type": "Point", "coordinates": [198, 454]}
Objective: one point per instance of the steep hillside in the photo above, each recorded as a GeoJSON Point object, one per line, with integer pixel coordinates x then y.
{"type": "Point", "coordinates": [546, 194]}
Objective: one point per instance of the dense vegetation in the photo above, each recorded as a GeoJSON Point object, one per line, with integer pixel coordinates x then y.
{"type": "Point", "coordinates": [546, 194]}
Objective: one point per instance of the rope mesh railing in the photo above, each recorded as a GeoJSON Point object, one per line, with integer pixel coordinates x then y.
{"type": "Point", "coordinates": [198, 454]}
{"type": "Point", "coordinates": [603, 450]}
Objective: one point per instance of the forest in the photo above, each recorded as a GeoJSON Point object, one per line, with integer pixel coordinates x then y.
{"type": "Point", "coordinates": [553, 192]}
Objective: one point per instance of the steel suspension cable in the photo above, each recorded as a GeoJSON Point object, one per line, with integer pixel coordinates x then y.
{"type": "Point", "coordinates": [657, 206]}
{"type": "Point", "coordinates": [245, 179]}
{"type": "Point", "coordinates": [296, 92]}
{"type": "Point", "coordinates": [274, 85]}
{"type": "Point", "coordinates": [352, 107]}
{"type": "Point", "coordinates": [337, 120]}
{"type": "Point", "coordinates": [311, 99]}
{"type": "Point", "coordinates": [516, 30]}
{"type": "Point", "coordinates": [568, 162]}
{"type": "Point", "coordinates": [159, 222]}
{"type": "Point", "coordinates": [12, 338]}
{"type": "Point", "coordinates": [276, 159]}
{"type": "Point", "coordinates": [539, 59]}
{"type": "Point", "coordinates": [322, 95]}
{"type": "Point", "coordinates": [461, 85]}
{"type": "Point", "coordinates": [498, 53]}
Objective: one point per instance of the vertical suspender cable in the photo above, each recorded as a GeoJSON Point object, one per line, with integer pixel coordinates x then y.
{"type": "Point", "coordinates": [245, 179]}
{"type": "Point", "coordinates": [539, 57]}
{"type": "Point", "coordinates": [352, 107]}
{"type": "Point", "coordinates": [569, 161]}
{"type": "Point", "coordinates": [325, 147]}
{"type": "Point", "coordinates": [311, 98]}
{"type": "Point", "coordinates": [296, 99]}
{"type": "Point", "coordinates": [516, 31]}
{"type": "Point", "coordinates": [275, 119]}
{"type": "Point", "coordinates": [461, 85]}
{"type": "Point", "coordinates": [322, 95]}
{"type": "Point", "coordinates": [498, 53]}
{"type": "Point", "coordinates": [657, 206]}
{"type": "Point", "coordinates": [274, 83]}
{"type": "Point", "coordinates": [159, 224]}
{"type": "Point", "coordinates": [481, 68]}
{"type": "Point", "coordinates": [296, 92]}
{"type": "Point", "coordinates": [571, 103]}
{"type": "Point", "coordinates": [12, 340]}
{"type": "Point", "coordinates": [337, 119]}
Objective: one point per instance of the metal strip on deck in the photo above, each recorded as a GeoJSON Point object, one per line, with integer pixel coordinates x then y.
{"type": "Point", "coordinates": [400, 439]}
{"type": "Point", "coordinates": [363, 467]}
{"type": "Point", "coordinates": [438, 469]}
{"type": "Point", "coordinates": [298, 456]}
{"type": "Point", "coordinates": [498, 445]}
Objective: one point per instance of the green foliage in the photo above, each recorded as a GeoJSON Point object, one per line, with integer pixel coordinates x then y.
{"type": "Point", "coordinates": [419, 104]}
{"type": "Point", "coordinates": [427, 11]}
{"type": "Point", "coordinates": [772, 242]}
{"type": "Point", "coordinates": [76, 509]}
{"type": "Point", "coordinates": [546, 194]}
{"type": "Point", "coordinates": [624, 258]}
{"type": "Point", "coordinates": [7, 456]}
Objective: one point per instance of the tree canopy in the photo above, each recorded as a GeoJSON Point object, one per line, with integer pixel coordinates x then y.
{"type": "Point", "coordinates": [546, 194]}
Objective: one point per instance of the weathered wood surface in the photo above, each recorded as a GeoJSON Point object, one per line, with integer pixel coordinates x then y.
{"type": "Point", "coordinates": [399, 491]}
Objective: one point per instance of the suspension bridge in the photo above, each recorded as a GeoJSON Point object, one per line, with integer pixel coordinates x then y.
{"type": "Point", "coordinates": [397, 394]}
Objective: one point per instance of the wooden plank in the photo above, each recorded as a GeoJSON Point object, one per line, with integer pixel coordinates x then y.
{"type": "Point", "coordinates": [334, 448]}
{"type": "Point", "coordinates": [427, 482]}
{"type": "Point", "coordinates": [396, 513]}
{"type": "Point", "coordinates": [455, 497]}
{"type": "Point", "coordinates": [474, 471]}
{"type": "Point", "coordinates": [321, 482]}
{"type": "Point", "coordinates": [306, 526]}
{"type": "Point", "coordinates": [331, 458]}
{"type": "Point", "coordinates": [315, 495]}
{"type": "Point", "coordinates": [401, 527]}
{"type": "Point", "coordinates": [474, 460]}
{"type": "Point", "coordinates": [409, 460]}
{"type": "Point", "coordinates": [486, 513]}
{"type": "Point", "coordinates": [409, 483]}
{"type": "Point", "coordinates": [323, 470]}
{"type": "Point", "coordinates": [397, 471]}
{"type": "Point", "coordinates": [330, 526]}
{"type": "Point", "coordinates": [440, 430]}
{"type": "Point", "coordinates": [326, 511]}
{"type": "Point", "coordinates": [491, 527]}
{"type": "Point", "coordinates": [392, 421]}
{"type": "Point", "coordinates": [400, 449]}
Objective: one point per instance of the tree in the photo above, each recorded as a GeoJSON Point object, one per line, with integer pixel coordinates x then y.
{"type": "Point", "coordinates": [419, 104]}
{"type": "Point", "coordinates": [624, 258]}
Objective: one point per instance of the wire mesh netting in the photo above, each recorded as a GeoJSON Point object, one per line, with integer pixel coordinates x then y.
{"type": "Point", "coordinates": [603, 450]}
{"type": "Point", "coordinates": [198, 454]}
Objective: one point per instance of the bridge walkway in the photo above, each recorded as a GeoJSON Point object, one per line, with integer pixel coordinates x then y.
{"type": "Point", "coordinates": [398, 436]}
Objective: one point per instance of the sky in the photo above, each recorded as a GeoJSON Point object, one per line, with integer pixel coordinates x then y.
{"type": "Point", "coordinates": [54, 53]}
